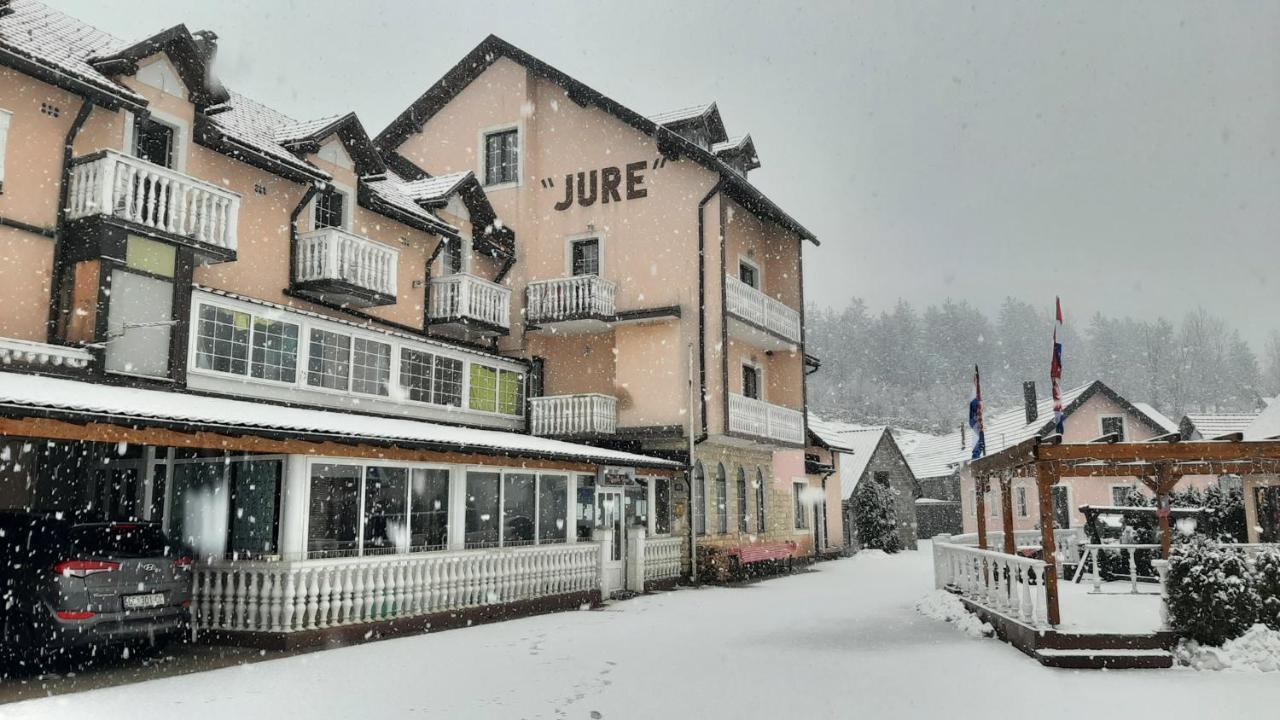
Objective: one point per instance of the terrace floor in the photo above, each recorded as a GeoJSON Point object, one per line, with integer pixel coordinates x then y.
{"type": "Point", "coordinates": [1113, 611]}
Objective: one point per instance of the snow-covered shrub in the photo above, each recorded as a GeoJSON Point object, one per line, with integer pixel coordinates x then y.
{"type": "Point", "coordinates": [876, 518]}
{"type": "Point", "coordinates": [1266, 566]}
{"type": "Point", "coordinates": [1212, 597]}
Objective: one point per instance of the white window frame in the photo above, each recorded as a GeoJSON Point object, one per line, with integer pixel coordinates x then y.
{"type": "Point", "coordinates": [6, 118]}
{"type": "Point", "coordinates": [306, 324]}
{"type": "Point", "coordinates": [571, 492]}
{"type": "Point", "coordinates": [744, 260]}
{"type": "Point", "coordinates": [181, 136]}
{"type": "Point", "coordinates": [482, 155]}
{"type": "Point", "coordinates": [568, 251]}
{"type": "Point", "coordinates": [797, 497]}
{"type": "Point", "coordinates": [348, 197]}
{"type": "Point", "coordinates": [1124, 425]}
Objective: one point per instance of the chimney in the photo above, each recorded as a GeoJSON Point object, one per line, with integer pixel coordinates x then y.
{"type": "Point", "coordinates": [206, 43]}
{"type": "Point", "coordinates": [1030, 401]}
{"type": "Point", "coordinates": [964, 442]}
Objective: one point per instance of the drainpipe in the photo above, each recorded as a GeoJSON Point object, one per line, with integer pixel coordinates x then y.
{"type": "Point", "coordinates": [702, 310]}
{"type": "Point", "coordinates": [60, 229]}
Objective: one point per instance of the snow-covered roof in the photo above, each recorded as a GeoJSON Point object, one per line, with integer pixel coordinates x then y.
{"type": "Point", "coordinates": [832, 432]}
{"type": "Point", "coordinates": [1266, 426]}
{"type": "Point", "coordinates": [397, 192]}
{"type": "Point", "coordinates": [438, 187]}
{"type": "Point", "coordinates": [306, 128]}
{"type": "Point", "coordinates": [931, 456]}
{"type": "Point", "coordinates": [681, 114]}
{"type": "Point", "coordinates": [60, 42]}
{"type": "Point", "coordinates": [1212, 425]}
{"type": "Point", "coordinates": [1157, 417]}
{"type": "Point", "coordinates": [255, 125]}
{"type": "Point", "coordinates": [863, 442]}
{"type": "Point", "coordinates": [734, 143]}
{"type": "Point", "coordinates": [125, 404]}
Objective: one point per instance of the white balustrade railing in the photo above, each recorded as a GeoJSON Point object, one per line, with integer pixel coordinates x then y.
{"type": "Point", "coordinates": [284, 596]}
{"type": "Point", "coordinates": [761, 310]}
{"type": "Point", "coordinates": [463, 296]}
{"type": "Point", "coordinates": [111, 183]}
{"type": "Point", "coordinates": [758, 418]}
{"type": "Point", "coordinates": [663, 558]}
{"type": "Point", "coordinates": [1067, 541]}
{"type": "Point", "coordinates": [334, 254]}
{"type": "Point", "coordinates": [571, 298]}
{"type": "Point", "coordinates": [585, 414]}
{"type": "Point", "coordinates": [1009, 584]}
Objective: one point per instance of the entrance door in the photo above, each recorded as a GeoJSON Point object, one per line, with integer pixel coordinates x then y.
{"type": "Point", "coordinates": [117, 489]}
{"type": "Point", "coordinates": [610, 515]}
{"type": "Point", "coordinates": [1267, 504]}
{"type": "Point", "coordinates": [1061, 506]}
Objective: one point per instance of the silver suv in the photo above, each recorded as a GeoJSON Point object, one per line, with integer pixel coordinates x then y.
{"type": "Point", "coordinates": [69, 583]}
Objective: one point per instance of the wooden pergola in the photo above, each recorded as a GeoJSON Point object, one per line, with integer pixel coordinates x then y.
{"type": "Point", "coordinates": [1159, 464]}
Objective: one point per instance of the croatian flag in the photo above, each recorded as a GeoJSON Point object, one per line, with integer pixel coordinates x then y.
{"type": "Point", "coordinates": [1055, 367]}
{"type": "Point", "coordinates": [975, 417]}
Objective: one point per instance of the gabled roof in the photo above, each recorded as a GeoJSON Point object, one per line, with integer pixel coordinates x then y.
{"type": "Point", "coordinates": [741, 146]}
{"type": "Point", "coordinates": [1266, 426]}
{"type": "Point", "coordinates": [191, 56]}
{"type": "Point", "coordinates": [307, 137]}
{"type": "Point", "coordinates": [43, 42]}
{"type": "Point", "coordinates": [1009, 427]}
{"type": "Point", "coordinates": [386, 194]}
{"type": "Point", "coordinates": [669, 142]}
{"type": "Point", "coordinates": [706, 116]}
{"type": "Point", "coordinates": [437, 189]}
{"type": "Point", "coordinates": [1157, 417]}
{"type": "Point", "coordinates": [1213, 425]}
{"type": "Point", "coordinates": [243, 122]}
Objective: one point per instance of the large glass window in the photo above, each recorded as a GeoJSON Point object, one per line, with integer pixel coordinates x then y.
{"type": "Point", "coordinates": [484, 388]}
{"type": "Point", "coordinates": [661, 506]}
{"type": "Point", "coordinates": [501, 157]}
{"type": "Point", "coordinates": [330, 205]}
{"type": "Point", "coordinates": [255, 494]}
{"type": "Point", "coordinates": [222, 340]}
{"type": "Point", "coordinates": [429, 508]}
{"type": "Point", "coordinates": [586, 512]}
{"type": "Point", "coordinates": [335, 510]}
{"type": "Point", "coordinates": [510, 392]}
{"type": "Point", "coordinates": [370, 367]}
{"type": "Point", "coordinates": [553, 508]}
{"type": "Point", "coordinates": [329, 360]}
{"type": "Point", "coordinates": [722, 503]}
{"type": "Point", "coordinates": [275, 350]}
{"type": "Point", "coordinates": [743, 525]}
{"type": "Point", "coordinates": [482, 509]}
{"type": "Point", "coordinates": [139, 324]}
{"type": "Point", "coordinates": [518, 508]}
{"type": "Point", "coordinates": [386, 520]}
{"type": "Point", "coordinates": [447, 382]}
{"type": "Point", "coordinates": [415, 374]}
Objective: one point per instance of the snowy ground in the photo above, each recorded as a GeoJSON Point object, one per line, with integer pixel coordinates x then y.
{"type": "Point", "coordinates": [840, 641]}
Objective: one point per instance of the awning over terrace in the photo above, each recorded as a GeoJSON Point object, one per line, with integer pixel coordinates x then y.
{"type": "Point", "coordinates": [1160, 464]}
{"type": "Point", "coordinates": [58, 408]}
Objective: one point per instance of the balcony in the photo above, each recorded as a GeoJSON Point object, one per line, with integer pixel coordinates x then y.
{"type": "Point", "coordinates": [337, 267]}
{"type": "Point", "coordinates": [470, 302]}
{"type": "Point", "coordinates": [760, 319]}
{"type": "Point", "coordinates": [573, 415]}
{"type": "Point", "coordinates": [155, 200]}
{"type": "Point", "coordinates": [762, 420]}
{"type": "Point", "coordinates": [581, 303]}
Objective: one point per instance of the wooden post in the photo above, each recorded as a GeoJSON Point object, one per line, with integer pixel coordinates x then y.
{"type": "Point", "coordinates": [1006, 501]}
{"type": "Point", "coordinates": [1164, 484]}
{"type": "Point", "coordinates": [1046, 478]}
{"type": "Point", "coordinates": [980, 493]}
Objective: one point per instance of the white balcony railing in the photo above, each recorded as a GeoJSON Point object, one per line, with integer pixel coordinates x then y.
{"type": "Point", "coordinates": [761, 310]}
{"type": "Point", "coordinates": [334, 254]}
{"type": "Point", "coordinates": [586, 414]}
{"type": "Point", "coordinates": [1009, 584]}
{"type": "Point", "coordinates": [466, 297]}
{"type": "Point", "coordinates": [282, 596]}
{"type": "Point", "coordinates": [758, 418]}
{"type": "Point", "coordinates": [571, 298]}
{"type": "Point", "coordinates": [111, 183]}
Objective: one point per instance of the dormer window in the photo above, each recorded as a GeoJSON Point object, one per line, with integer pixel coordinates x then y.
{"type": "Point", "coordinates": [502, 157]}
{"type": "Point", "coordinates": [330, 206]}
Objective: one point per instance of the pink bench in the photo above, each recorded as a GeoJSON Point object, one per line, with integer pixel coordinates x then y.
{"type": "Point", "coordinates": [759, 552]}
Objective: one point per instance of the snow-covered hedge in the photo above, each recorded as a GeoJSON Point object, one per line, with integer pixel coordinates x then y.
{"type": "Point", "coordinates": [1213, 595]}
{"type": "Point", "coordinates": [1266, 568]}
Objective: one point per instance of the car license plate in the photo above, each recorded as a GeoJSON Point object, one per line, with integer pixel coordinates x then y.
{"type": "Point", "coordinates": [143, 601]}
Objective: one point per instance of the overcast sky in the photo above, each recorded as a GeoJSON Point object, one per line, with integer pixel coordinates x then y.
{"type": "Point", "coordinates": [1121, 155]}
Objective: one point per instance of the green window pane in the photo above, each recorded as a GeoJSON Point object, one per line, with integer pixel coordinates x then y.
{"type": "Point", "coordinates": [484, 388]}
{"type": "Point", "coordinates": [510, 392]}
